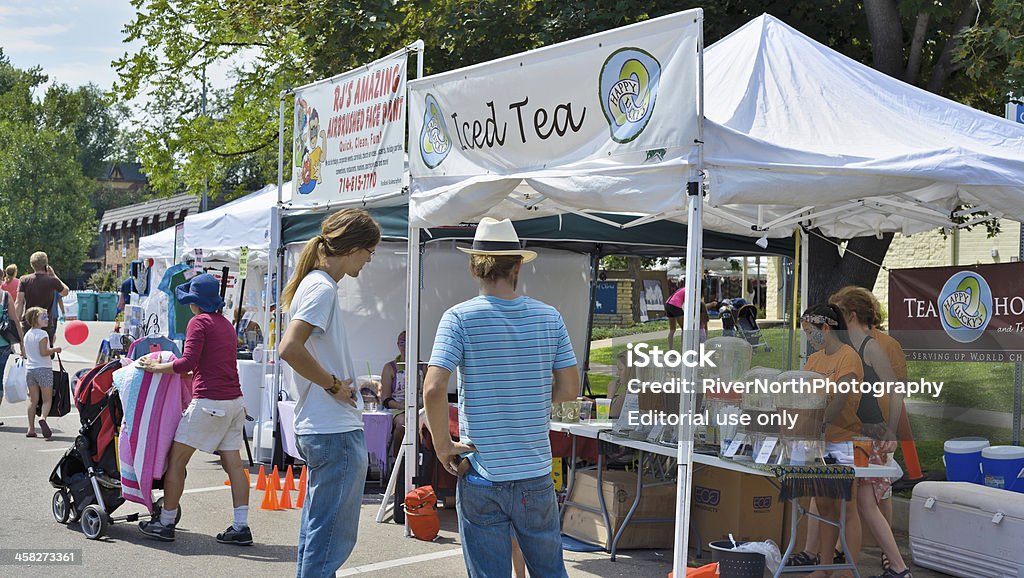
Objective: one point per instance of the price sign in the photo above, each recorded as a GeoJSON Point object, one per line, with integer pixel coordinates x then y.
{"type": "Point", "coordinates": [243, 261]}
{"type": "Point", "coordinates": [766, 450]}
{"type": "Point", "coordinates": [737, 443]}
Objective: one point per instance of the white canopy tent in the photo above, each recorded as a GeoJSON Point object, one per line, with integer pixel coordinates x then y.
{"type": "Point", "coordinates": [793, 126]}
{"type": "Point", "coordinates": [795, 134]}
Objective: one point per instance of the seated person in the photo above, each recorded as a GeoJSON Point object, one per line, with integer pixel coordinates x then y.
{"type": "Point", "coordinates": [393, 381]}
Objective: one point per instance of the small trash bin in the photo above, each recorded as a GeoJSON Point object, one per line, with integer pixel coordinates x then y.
{"type": "Point", "coordinates": [733, 564]}
{"type": "Point", "coordinates": [106, 306]}
{"type": "Point", "coordinates": [87, 305]}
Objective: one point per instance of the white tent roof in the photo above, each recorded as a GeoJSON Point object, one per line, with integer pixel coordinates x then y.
{"type": "Point", "coordinates": [794, 132]}
{"type": "Point", "coordinates": [792, 123]}
{"type": "Point", "coordinates": [158, 245]}
{"type": "Point", "coordinates": [242, 222]}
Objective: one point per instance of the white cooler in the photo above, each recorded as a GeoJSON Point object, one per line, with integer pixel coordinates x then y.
{"type": "Point", "coordinates": [967, 530]}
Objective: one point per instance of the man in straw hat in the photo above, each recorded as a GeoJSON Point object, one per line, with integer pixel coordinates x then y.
{"type": "Point", "coordinates": [514, 359]}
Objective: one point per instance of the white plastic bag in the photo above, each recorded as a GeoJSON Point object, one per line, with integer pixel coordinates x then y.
{"type": "Point", "coordinates": [16, 384]}
{"type": "Point", "coordinates": [772, 556]}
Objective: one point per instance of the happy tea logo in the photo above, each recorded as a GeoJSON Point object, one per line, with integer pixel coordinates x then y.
{"type": "Point", "coordinates": [435, 143]}
{"type": "Point", "coordinates": [966, 306]}
{"type": "Point", "coordinates": [628, 91]}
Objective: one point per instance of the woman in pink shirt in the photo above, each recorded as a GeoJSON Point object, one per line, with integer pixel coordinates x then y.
{"type": "Point", "coordinates": [674, 311]}
{"type": "Point", "coordinates": [11, 282]}
{"type": "Point", "coordinates": [213, 421]}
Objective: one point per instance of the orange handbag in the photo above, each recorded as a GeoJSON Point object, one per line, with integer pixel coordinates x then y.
{"type": "Point", "coordinates": [421, 513]}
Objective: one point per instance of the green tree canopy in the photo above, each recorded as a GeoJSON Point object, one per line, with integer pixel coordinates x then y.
{"type": "Point", "coordinates": [44, 196]}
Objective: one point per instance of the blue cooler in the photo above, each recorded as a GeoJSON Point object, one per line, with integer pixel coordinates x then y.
{"type": "Point", "coordinates": [963, 459]}
{"type": "Point", "coordinates": [1003, 467]}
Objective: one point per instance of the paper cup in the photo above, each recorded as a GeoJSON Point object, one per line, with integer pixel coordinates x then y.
{"type": "Point", "coordinates": [861, 451]}
{"type": "Point", "coordinates": [585, 411]}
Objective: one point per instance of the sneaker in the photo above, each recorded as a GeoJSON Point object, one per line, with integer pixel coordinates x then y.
{"type": "Point", "coordinates": [154, 529]}
{"type": "Point", "coordinates": [890, 573]}
{"type": "Point", "coordinates": [241, 537]}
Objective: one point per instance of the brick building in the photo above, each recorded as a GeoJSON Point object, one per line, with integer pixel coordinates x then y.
{"type": "Point", "coordinates": [121, 228]}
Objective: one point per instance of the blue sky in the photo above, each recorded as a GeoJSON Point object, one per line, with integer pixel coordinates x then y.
{"type": "Point", "coordinates": [73, 40]}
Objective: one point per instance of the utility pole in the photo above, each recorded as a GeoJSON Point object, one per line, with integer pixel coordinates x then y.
{"type": "Point", "coordinates": [206, 180]}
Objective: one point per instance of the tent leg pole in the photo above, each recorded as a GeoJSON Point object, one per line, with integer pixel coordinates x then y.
{"type": "Point", "coordinates": [595, 261]}
{"type": "Point", "coordinates": [412, 357]}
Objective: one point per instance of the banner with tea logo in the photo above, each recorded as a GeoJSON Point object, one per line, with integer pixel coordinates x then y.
{"type": "Point", "coordinates": [623, 98]}
{"type": "Point", "coordinates": [349, 139]}
{"type": "Point", "coordinates": [973, 313]}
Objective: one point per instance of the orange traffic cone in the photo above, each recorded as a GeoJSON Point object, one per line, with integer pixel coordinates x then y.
{"type": "Point", "coordinates": [286, 499]}
{"type": "Point", "coordinates": [302, 489]}
{"type": "Point", "coordinates": [270, 499]}
{"type": "Point", "coordinates": [261, 481]}
{"type": "Point", "coordinates": [277, 477]}
{"type": "Point", "coordinates": [248, 480]}
{"type": "Point", "coordinates": [227, 482]}
{"type": "Point", "coordinates": [289, 480]}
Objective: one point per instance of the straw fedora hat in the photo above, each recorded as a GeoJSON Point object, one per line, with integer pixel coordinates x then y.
{"type": "Point", "coordinates": [494, 237]}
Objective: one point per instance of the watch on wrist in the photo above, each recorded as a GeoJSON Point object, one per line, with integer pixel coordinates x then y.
{"type": "Point", "coordinates": [335, 386]}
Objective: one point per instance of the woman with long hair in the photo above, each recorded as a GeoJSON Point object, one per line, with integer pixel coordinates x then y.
{"type": "Point", "coordinates": [328, 418]}
{"type": "Point", "coordinates": [859, 312]}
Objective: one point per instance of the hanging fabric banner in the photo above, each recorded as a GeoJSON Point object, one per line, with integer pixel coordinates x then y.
{"type": "Point", "coordinates": [349, 138]}
{"type": "Point", "coordinates": [973, 313]}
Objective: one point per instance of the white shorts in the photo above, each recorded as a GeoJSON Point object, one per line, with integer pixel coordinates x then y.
{"type": "Point", "coordinates": [212, 425]}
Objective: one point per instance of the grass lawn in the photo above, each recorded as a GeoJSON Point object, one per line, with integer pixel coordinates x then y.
{"type": "Point", "coordinates": [972, 385]}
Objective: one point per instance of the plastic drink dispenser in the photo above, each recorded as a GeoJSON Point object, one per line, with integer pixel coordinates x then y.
{"type": "Point", "coordinates": [803, 443]}
{"type": "Point", "coordinates": [731, 357]}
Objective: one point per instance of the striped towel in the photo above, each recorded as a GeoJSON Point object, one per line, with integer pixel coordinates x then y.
{"type": "Point", "coordinates": [153, 404]}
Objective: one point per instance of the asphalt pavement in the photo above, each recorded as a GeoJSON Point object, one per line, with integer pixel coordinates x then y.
{"type": "Point", "coordinates": [26, 521]}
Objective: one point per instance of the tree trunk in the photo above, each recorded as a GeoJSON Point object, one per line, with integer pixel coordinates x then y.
{"type": "Point", "coordinates": [827, 272]}
{"type": "Point", "coordinates": [945, 67]}
{"type": "Point", "coordinates": [633, 266]}
{"type": "Point", "coordinates": [886, 36]}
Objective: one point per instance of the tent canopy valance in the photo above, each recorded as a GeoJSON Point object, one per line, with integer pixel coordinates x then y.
{"type": "Point", "coordinates": [568, 232]}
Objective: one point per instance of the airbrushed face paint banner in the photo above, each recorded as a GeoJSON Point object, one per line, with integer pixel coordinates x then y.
{"type": "Point", "coordinates": [623, 97]}
{"type": "Point", "coordinates": [350, 134]}
{"type": "Point", "coordinates": [973, 313]}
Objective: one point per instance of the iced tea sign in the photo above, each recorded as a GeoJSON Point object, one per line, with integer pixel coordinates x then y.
{"type": "Point", "coordinates": [958, 313]}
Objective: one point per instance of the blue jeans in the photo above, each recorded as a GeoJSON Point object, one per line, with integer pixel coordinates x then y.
{"type": "Point", "coordinates": [488, 515]}
{"type": "Point", "coordinates": [336, 472]}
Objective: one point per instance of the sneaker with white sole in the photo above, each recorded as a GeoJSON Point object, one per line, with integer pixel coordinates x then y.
{"type": "Point", "coordinates": [241, 537]}
{"type": "Point", "coordinates": [154, 529]}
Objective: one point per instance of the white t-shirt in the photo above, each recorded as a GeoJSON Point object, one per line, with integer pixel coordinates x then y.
{"type": "Point", "coordinates": [317, 412]}
{"type": "Point", "coordinates": [36, 360]}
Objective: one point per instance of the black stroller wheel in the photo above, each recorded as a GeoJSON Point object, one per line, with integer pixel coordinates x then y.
{"type": "Point", "coordinates": [61, 507]}
{"type": "Point", "coordinates": [158, 506]}
{"type": "Point", "coordinates": [94, 522]}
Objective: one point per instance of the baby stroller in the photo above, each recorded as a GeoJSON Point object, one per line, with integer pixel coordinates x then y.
{"type": "Point", "coordinates": [746, 325]}
{"type": "Point", "coordinates": [87, 477]}
{"type": "Point", "coordinates": [727, 314]}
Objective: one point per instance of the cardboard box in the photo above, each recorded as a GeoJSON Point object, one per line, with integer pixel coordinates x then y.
{"type": "Point", "coordinates": [584, 522]}
{"type": "Point", "coordinates": [724, 502]}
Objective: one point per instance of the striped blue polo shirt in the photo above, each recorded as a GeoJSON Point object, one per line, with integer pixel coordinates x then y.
{"type": "Point", "coordinates": [505, 351]}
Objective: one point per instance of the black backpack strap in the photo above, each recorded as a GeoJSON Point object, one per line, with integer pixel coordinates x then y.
{"type": "Point", "coordinates": [864, 344]}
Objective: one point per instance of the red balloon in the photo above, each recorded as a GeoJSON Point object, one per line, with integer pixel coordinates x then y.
{"type": "Point", "coordinates": [76, 332]}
